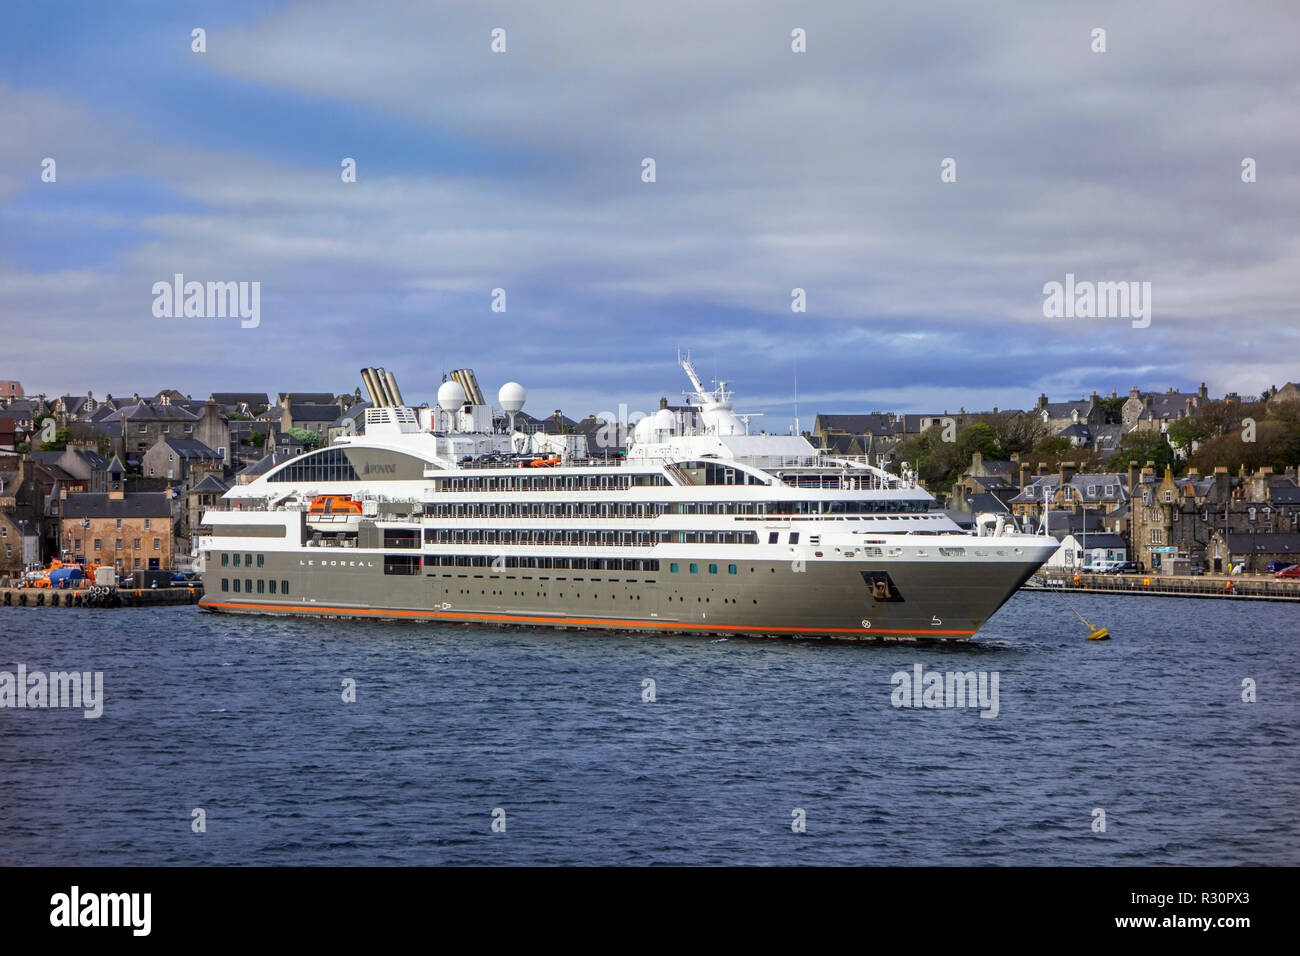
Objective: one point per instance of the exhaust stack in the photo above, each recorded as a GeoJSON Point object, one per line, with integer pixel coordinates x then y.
{"type": "Point", "coordinates": [394, 392]}
{"type": "Point", "coordinates": [382, 381]}
{"type": "Point", "coordinates": [466, 379]}
{"type": "Point", "coordinates": [371, 381]}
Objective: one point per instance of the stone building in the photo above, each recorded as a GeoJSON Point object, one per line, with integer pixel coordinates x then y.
{"type": "Point", "coordinates": [1060, 415]}
{"type": "Point", "coordinates": [1100, 500]}
{"type": "Point", "coordinates": [1253, 552]}
{"type": "Point", "coordinates": [312, 417]}
{"type": "Point", "coordinates": [125, 530]}
{"type": "Point", "coordinates": [1153, 411]}
{"type": "Point", "coordinates": [175, 459]}
{"type": "Point", "coordinates": [21, 512]}
{"type": "Point", "coordinates": [1290, 392]}
{"type": "Point", "coordinates": [1179, 516]}
{"type": "Point", "coordinates": [144, 423]}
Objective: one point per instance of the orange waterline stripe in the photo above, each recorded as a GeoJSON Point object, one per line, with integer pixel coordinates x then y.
{"type": "Point", "coordinates": [572, 620]}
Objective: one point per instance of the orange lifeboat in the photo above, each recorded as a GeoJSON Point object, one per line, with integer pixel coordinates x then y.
{"type": "Point", "coordinates": [334, 505]}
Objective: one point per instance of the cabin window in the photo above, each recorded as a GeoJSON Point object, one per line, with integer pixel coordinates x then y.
{"type": "Point", "coordinates": [401, 564]}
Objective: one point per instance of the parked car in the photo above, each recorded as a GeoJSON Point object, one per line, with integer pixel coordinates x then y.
{"type": "Point", "coordinates": [1292, 572]}
{"type": "Point", "coordinates": [1273, 567]}
{"type": "Point", "coordinates": [1196, 570]}
{"type": "Point", "coordinates": [1125, 567]}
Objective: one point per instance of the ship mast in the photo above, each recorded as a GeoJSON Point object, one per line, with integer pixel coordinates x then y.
{"type": "Point", "coordinates": [717, 398]}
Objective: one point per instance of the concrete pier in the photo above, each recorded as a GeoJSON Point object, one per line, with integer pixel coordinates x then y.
{"type": "Point", "coordinates": [99, 597]}
{"type": "Point", "coordinates": [1234, 588]}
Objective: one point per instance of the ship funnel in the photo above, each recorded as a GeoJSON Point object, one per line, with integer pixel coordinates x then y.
{"type": "Point", "coordinates": [464, 377]}
{"type": "Point", "coordinates": [394, 392]}
{"type": "Point", "coordinates": [381, 379]}
{"type": "Point", "coordinates": [372, 386]}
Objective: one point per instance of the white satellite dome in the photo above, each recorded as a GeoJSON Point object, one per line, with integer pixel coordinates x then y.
{"type": "Point", "coordinates": [511, 397]}
{"type": "Point", "coordinates": [644, 431]}
{"type": "Point", "coordinates": [722, 421]}
{"type": "Point", "coordinates": [665, 421]}
{"type": "Point", "coordinates": [451, 396]}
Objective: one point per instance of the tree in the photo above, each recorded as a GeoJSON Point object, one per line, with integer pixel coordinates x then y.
{"type": "Point", "coordinates": [1052, 446]}
{"type": "Point", "coordinates": [60, 442]}
{"type": "Point", "coordinates": [1016, 432]}
{"type": "Point", "coordinates": [1273, 441]}
{"type": "Point", "coordinates": [978, 437]}
{"type": "Point", "coordinates": [1184, 431]}
{"type": "Point", "coordinates": [309, 439]}
{"type": "Point", "coordinates": [934, 460]}
{"type": "Point", "coordinates": [1142, 446]}
{"type": "Point", "coordinates": [1112, 409]}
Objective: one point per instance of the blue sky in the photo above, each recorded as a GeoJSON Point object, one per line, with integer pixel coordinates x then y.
{"type": "Point", "coordinates": [775, 170]}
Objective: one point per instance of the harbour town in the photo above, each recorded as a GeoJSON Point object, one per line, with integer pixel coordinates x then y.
{"type": "Point", "coordinates": [1155, 491]}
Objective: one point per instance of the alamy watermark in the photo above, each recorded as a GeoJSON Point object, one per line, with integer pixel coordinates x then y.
{"type": "Point", "coordinates": [211, 300]}
{"type": "Point", "coordinates": [75, 908]}
{"type": "Point", "coordinates": [929, 689]}
{"type": "Point", "coordinates": [38, 690]}
{"type": "Point", "coordinates": [1098, 300]}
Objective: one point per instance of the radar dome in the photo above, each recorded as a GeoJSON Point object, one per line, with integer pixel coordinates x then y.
{"type": "Point", "coordinates": [665, 421]}
{"type": "Point", "coordinates": [644, 432]}
{"type": "Point", "coordinates": [511, 397]}
{"type": "Point", "coordinates": [451, 396]}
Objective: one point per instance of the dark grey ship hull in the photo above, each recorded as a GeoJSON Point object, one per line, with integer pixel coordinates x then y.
{"type": "Point", "coordinates": [836, 599]}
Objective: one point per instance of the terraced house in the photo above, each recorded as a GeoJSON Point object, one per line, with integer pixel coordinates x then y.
{"type": "Point", "coordinates": [144, 423]}
{"type": "Point", "coordinates": [128, 531]}
{"type": "Point", "coordinates": [1174, 519]}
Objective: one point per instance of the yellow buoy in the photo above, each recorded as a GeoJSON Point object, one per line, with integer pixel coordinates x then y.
{"type": "Point", "coordinates": [1101, 634]}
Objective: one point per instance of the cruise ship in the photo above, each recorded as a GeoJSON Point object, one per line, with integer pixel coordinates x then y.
{"type": "Point", "coordinates": [449, 513]}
